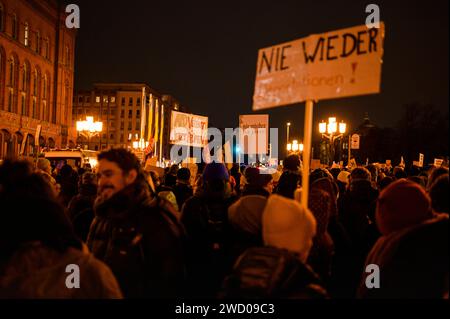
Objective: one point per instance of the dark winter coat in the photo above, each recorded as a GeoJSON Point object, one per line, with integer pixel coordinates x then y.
{"type": "Point", "coordinates": [141, 240]}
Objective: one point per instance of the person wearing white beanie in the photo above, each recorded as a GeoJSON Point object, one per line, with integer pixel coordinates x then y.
{"type": "Point", "coordinates": [288, 225]}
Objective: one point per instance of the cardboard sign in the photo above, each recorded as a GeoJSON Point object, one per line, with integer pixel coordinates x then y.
{"type": "Point", "coordinates": [438, 162]}
{"type": "Point", "coordinates": [228, 155]}
{"type": "Point", "coordinates": [255, 133]}
{"type": "Point", "coordinates": [335, 64]}
{"type": "Point", "coordinates": [421, 156]}
{"type": "Point", "coordinates": [188, 129]}
{"type": "Point", "coordinates": [355, 141]}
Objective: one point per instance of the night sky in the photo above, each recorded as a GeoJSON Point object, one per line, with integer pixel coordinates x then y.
{"type": "Point", "coordinates": [204, 53]}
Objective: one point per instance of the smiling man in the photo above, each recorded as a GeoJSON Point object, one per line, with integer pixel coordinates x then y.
{"type": "Point", "coordinates": [137, 235]}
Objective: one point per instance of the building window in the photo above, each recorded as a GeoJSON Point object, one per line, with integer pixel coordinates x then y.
{"type": "Point", "coordinates": [38, 42]}
{"type": "Point", "coordinates": [112, 124]}
{"type": "Point", "coordinates": [26, 40]}
{"type": "Point", "coordinates": [35, 113]}
{"type": "Point", "coordinates": [24, 77]}
{"type": "Point", "coordinates": [35, 82]}
{"type": "Point", "coordinates": [97, 99]}
{"type": "Point", "coordinates": [104, 136]}
{"type": "Point", "coordinates": [45, 111]}
{"type": "Point", "coordinates": [122, 103]}
{"type": "Point", "coordinates": [121, 138]}
{"type": "Point", "coordinates": [130, 101]}
{"type": "Point", "coordinates": [130, 114]}
{"type": "Point", "coordinates": [80, 100]}
{"type": "Point", "coordinates": [80, 111]}
{"type": "Point", "coordinates": [10, 100]}
{"type": "Point", "coordinates": [25, 88]}
{"type": "Point", "coordinates": [113, 99]}
{"type": "Point", "coordinates": [14, 26]}
{"type": "Point", "coordinates": [88, 99]}
{"type": "Point", "coordinates": [2, 19]}
{"type": "Point", "coordinates": [11, 72]}
{"type": "Point", "coordinates": [138, 113]}
{"type": "Point", "coordinates": [34, 109]}
{"type": "Point", "coordinates": [112, 112]}
{"type": "Point", "coordinates": [105, 112]}
{"type": "Point", "coordinates": [121, 125]}
{"type": "Point", "coordinates": [138, 125]}
{"type": "Point", "coordinates": [138, 101]}
{"type": "Point", "coordinates": [105, 99]}
{"type": "Point", "coordinates": [122, 113]}
{"type": "Point", "coordinates": [129, 126]}
{"type": "Point", "coordinates": [47, 48]}
{"type": "Point", "coordinates": [111, 136]}
{"type": "Point", "coordinates": [12, 97]}
{"type": "Point", "coordinates": [44, 93]}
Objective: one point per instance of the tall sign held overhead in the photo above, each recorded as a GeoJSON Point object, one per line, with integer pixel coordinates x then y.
{"type": "Point", "coordinates": [188, 129]}
{"type": "Point", "coordinates": [255, 137]}
{"type": "Point", "coordinates": [335, 64]}
{"type": "Point", "coordinates": [355, 141]}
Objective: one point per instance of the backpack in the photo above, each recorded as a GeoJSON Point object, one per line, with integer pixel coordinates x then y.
{"type": "Point", "coordinates": [217, 228]}
{"type": "Point", "coordinates": [270, 272]}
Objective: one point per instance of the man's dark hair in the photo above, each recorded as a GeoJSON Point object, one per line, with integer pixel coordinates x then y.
{"type": "Point", "coordinates": [126, 160]}
{"type": "Point", "coordinates": [360, 173]}
{"type": "Point", "coordinates": [292, 163]}
{"type": "Point", "coordinates": [184, 174]}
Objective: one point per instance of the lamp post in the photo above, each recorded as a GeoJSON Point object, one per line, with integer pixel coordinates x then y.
{"type": "Point", "coordinates": [288, 126]}
{"type": "Point", "coordinates": [139, 145]}
{"type": "Point", "coordinates": [329, 130]}
{"type": "Point", "coordinates": [294, 147]}
{"type": "Point", "coordinates": [89, 128]}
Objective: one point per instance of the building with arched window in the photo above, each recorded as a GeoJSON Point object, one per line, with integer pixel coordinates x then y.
{"type": "Point", "coordinates": [36, 76]}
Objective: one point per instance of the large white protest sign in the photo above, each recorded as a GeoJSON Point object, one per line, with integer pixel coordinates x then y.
{"type": "Point", "coordinates": [335, 64]}
{"type": "Point", "coordinates": [254, 133]}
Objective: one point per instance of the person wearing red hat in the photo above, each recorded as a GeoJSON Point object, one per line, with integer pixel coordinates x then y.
{"type": "Point", "coordinates": [400, 205]}
{"type": "Point", "coordinates": [412, 253]}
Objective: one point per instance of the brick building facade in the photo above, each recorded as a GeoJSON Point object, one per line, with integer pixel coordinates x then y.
{"type": "Point", "coordinates": [36, 76]}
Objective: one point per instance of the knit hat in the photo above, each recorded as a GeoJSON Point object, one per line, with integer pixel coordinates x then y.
{"type": "Point", "coordinates": [286, 224]}
{"type": "Point", "coordinates": [400, 205]}
{"type": "Point", "coordinates": [246, 213]}
{"type": "Point", "coordinates": [215, 171]}
{"type": "Point", "coordinates": [254, 177]}
{"type": "Point", "coordinates": [343, 177]}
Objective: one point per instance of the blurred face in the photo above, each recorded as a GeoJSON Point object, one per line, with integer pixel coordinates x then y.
{"type": "Point", "coordinates": [111, 178]}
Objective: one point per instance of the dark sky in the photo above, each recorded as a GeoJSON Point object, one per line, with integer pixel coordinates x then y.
{"type": "Point", "coordinates": [204, 53]}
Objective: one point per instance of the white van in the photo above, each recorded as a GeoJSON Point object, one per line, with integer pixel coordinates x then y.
{"type": "Point", "coordinates": [73, 157]}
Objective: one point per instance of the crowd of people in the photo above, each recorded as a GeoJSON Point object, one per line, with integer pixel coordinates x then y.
{"type": "Point", "coordinates": [224, 233]}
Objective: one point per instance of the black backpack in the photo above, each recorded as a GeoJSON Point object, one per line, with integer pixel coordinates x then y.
{"type": "Point", "coordinates": [269, 272]}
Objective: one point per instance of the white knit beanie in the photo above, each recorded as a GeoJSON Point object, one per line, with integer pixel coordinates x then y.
{"type": "Point", "coordinates": [286, 224]}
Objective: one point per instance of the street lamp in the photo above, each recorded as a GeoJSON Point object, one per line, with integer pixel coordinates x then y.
{"type": "Point", "coordinates": [89, 128]}
{"type": "Point", "coordinates": [294, 147]}
{"type": "Point", "coordinates": [288, 126]}
{"type": "Point", "coordinates": [329, 130]}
